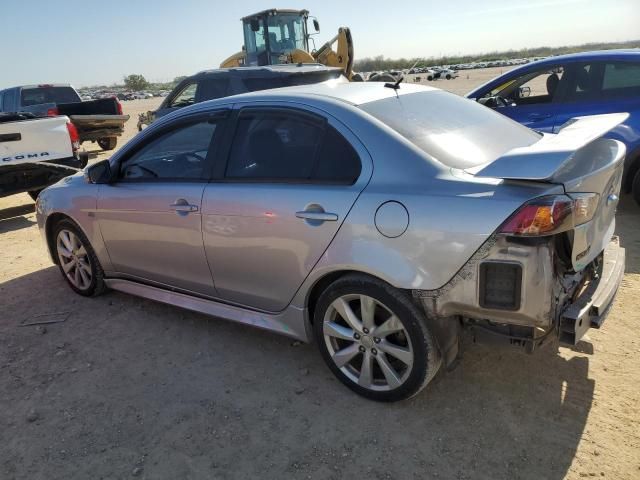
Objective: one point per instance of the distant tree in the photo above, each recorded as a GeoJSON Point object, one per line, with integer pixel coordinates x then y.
{"type": "Point", "coordinates": [177, 80]}
{"type": "Point", "coordinates": [135, 82]}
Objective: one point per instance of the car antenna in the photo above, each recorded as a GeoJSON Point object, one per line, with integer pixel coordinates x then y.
{"type": "Point", "coordinates": [396, 85]}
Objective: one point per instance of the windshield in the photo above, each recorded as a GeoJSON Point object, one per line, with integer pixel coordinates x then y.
{"type": "Point", "coordinates": [285, 32]}
{"type": "Point", "coordinates": [39, 95]}
{"type": "Point", "coordinates": [455, 131]}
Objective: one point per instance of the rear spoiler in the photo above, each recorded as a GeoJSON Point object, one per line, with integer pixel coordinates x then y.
{"type": "Point", "coordinates": [542, 160]}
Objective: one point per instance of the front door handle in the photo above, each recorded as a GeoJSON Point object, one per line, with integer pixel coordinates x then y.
{"type": "Point", "coordinates": [317, 216]}
{"type": "Point", "coordinates": [182, 207]}
{"type": "Point", "coordinates": [539, 116]}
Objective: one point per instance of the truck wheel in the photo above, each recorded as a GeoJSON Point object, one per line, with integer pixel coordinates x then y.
{"type": "Point", "coordinates": [635, 187]}
{"type": "Point", "coordinates": [375, 339]}
{"type": "Point", "coordinates": [382, 77]}
{"type": "Point", "coordinates": [430, 78]}
{"type": "Point", "coordinates": [108, 143]}
{"type": "Point", "coordinates": [34, 194]}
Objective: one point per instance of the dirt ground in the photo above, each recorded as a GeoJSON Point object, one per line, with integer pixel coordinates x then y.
{"type": "Point", "coordinates": [126, 387]}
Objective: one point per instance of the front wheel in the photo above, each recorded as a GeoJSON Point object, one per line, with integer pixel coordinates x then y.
{"type": "Point", "coordinates": [375, 339]}
{"type": "Point", "coordinates": [108, 143]}
{"type": "Point", "coordinates": [78, 262]}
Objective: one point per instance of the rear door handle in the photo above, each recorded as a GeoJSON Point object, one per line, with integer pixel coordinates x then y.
{"type": "Point", "coordinates": [317, 216]}
{"type": "Point", "coordinates": [183, 207]}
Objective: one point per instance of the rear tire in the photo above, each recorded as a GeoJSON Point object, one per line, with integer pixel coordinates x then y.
{"type": "Point", "coordinates": [108, 143]}
{"type": "Point", "coordinates": [77, 260]}
{"type": "Point", "coordinates": [635, 187]}
{"type": "Point", "coordinates": [375, 339]}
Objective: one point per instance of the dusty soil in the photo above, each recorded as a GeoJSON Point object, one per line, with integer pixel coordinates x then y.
{"type": "Point", "coordinates": [125, 387]}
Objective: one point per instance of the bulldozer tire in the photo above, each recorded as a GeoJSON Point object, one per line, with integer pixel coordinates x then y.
{"type": "Point", "coordinates": [382, 77]}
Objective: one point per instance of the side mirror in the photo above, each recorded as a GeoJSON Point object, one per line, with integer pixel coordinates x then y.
{"type": "Point", "coordinates": [524, 92]}
{"type": "Point", "coordinates": [99, 172]}
{"type": "Point", "coordinates": [255, 24]}
{"type": "Point", "coordinates": [316, 25]}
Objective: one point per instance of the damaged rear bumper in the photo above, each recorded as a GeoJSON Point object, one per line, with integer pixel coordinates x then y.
{"type": "Point", "coordinates": [591, 307]}
{"type": "Point", "coordinates": [545, 302]}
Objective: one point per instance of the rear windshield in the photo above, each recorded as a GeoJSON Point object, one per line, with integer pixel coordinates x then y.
{"type": "Point", "coordinates": [457, 132]}
{"type": "Point", "coordinates": [39, 95]}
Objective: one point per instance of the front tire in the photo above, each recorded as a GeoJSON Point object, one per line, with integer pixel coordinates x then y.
{"type": "Point", "coordinates": [77, 260]}
{"type": "Point", "coordinates": [375, 339]}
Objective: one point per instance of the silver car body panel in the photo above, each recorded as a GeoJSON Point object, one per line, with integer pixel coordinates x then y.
{"type": "Point", "coordinates": [451, 213]}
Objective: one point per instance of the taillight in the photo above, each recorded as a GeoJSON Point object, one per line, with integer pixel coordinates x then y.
{"type": "Point", "coordinates": [52, 112]}
{"type": "Point", "coordinates": [551, 214]}
{"type": "Point", "coordinates": [118, 105]}
{"type": "Point", "coordinates": [74, 137]}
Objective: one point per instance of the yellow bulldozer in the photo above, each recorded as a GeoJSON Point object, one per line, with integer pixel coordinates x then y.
{"type": "Point", "coordinates": [278, 36]}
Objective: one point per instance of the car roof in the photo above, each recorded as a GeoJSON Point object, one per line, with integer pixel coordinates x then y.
{"type": "Point", "coordinates": [354, 93]}
{"type": "Point", "coordinates": [267, 71]}
{"type": "Point", "coordinates": [617, 54]}
{"type": "Point", "coordinates": [41, 85]}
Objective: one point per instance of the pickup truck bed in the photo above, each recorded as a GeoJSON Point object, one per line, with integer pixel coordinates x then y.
{"type": "Point", "coordinates": [99, 121]}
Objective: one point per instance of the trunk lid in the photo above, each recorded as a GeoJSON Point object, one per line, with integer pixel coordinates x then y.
{"type": "Point", "coordinates": [583, 162]}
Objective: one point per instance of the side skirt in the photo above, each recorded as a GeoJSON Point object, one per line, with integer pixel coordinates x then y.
{"type": "Point", "coordinates": [290, 322]}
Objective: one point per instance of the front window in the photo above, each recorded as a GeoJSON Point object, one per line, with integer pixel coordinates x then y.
{"type": "Point", "coordinates": [180, 153]}
{"type": "Point", "coordinates": [280, 34]}
{"type": "Point", "coordinates": [533, 88]}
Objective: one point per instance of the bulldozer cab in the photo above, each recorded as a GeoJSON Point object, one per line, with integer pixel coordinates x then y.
{"type": "Point", "coordinates": [271, 35]}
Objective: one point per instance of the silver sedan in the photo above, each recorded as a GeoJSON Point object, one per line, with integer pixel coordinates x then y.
{"type": "Point", "coordinates": [386, 221]}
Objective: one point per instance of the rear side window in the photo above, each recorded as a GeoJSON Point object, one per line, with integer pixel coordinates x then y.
{"type": "Point", "coordinates": [621, 79]}
{"type": "Point", "coordinates": [283, 146]}
{"type": "Point", "coordinates": [212, 88]}
{"type": "Point", "coordinates": [40, 95]}
{"type": "Point", "coordinates": [177, 154]}
{"type": "Point", "coordinates": [9, 100]}
{"type": "Point", "coordinates": [456, 131]}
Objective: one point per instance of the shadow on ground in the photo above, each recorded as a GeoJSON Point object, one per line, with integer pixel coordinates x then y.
{"type": "Point", "coordinates": [126, 383]}
{"type": "Point", "coordinates": [15, 218]}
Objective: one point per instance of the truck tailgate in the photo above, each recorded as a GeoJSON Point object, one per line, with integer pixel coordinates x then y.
{"type": "Point", "coordinates": [98, 121]}
{"type": "Point", "coordinates": [37, 139]}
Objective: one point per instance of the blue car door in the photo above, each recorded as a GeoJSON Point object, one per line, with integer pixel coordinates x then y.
{"type": "Point", "coordinates": [602, 87]}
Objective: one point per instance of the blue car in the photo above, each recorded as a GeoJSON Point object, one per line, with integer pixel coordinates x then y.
{"type": "Point", "coordinates": [544, 95]}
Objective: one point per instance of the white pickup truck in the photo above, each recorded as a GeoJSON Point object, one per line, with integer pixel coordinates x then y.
{"type": "Point", "coordinates": [36, 152]}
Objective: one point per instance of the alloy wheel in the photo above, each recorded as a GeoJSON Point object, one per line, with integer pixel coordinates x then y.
{"type": "Point", "coordinates": [368, 342]}
{"type": "Point", "coordinates": [74, 259]}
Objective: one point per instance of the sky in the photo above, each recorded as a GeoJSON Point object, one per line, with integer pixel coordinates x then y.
{"type": "Point", "coordinates": [91, 42]}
